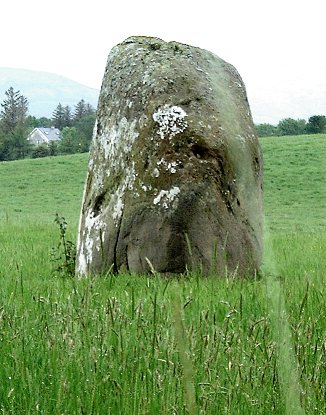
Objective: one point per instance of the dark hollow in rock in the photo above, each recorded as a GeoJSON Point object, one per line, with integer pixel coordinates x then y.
{"type": "Point", "coordinates": [175, 168]}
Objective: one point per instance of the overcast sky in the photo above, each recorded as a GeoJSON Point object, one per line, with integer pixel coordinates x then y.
{"type": "Point", "coordinates": [278, 46]}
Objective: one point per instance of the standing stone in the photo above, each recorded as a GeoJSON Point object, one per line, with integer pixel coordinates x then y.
{"type": "Point", "coordinates": [175, 169]}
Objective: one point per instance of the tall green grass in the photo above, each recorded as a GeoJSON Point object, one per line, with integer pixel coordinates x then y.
{"type": "Point", "coordinates": [133, 344]}
{"type": "Point", "coordinates": [144, 345]}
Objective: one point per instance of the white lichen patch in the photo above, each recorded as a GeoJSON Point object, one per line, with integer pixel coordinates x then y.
{"type": "Point", "coordinates": [156, 172]}
{"type": "Point", "coordinates": [116, 202]}
{"type": "Point", "coordinates": [93, 224]}
{"type": "Point", "coordinates": [145, 187]}
{"type": "Point", "coordinates": [113, 145]}
{"type": "Point", "coordinates": [170, 167]}
{"type": "Point", "coordinates": [166, 197]}
{"type": "Point", "coordinates": [118, 140]}
{"type": "Point", "coordinates": [142, 122]}
{"type": "Point", "coordinates": [81, 263]}
{"type": "Point", "coordinates": [98, 179]}
{"type": "Point", "coordinates": [241, 138]}
{"type": "Point", "coordinates": [147, 78]}
{"type": "Point", "coordinates": [171, 121]}
{"type": "Point", "coordinates": [118, 206]}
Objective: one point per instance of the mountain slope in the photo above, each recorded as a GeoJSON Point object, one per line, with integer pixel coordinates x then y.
{"type": "Point", "coordinates": [45, 90]}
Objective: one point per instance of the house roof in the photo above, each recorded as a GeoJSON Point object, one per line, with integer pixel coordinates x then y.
{"type": "Point", "coordinates": [47, 134]}
{"type": "Point", "coordinates": [52, 134]}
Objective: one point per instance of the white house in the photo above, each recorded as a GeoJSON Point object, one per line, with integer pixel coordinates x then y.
{"type": "Point", "coordinates": [42, 135]}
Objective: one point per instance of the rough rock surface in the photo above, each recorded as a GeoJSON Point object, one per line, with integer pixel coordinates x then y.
{"type": "Point", "coordinates": [175, 169]}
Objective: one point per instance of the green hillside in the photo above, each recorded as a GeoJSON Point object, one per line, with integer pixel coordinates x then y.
{"type": "Point", "coordinates": [37, 189]}
{"type": "Point", "coordinates": [295, 191]}
{"type": "Point", "coordinates": [295, 177]}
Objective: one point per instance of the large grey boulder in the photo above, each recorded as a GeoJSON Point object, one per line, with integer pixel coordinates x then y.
{"type": "Point", "coordinates": [175, 169]}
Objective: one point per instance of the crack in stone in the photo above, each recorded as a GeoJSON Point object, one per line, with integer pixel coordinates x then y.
{"type": "Point", "coordinates": [115, 264]}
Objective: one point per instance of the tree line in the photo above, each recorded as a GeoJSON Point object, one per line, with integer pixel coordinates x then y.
{"type": "Point", "coordinates": [289, 126]}
{"type": "Point", "coordinates": [76, 126]}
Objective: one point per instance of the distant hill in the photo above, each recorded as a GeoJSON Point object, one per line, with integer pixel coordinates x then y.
{"type": "Point", "coordinates": [269, 103]}
{"type": "Point", "coordinates": [44, 90]}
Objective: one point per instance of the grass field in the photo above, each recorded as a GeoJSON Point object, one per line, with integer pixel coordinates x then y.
{"type": "Point", "coordinates": [147, 345]}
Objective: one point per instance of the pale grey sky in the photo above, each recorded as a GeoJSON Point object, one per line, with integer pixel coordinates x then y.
{"type": "Point", "coordinates": [277, 46]}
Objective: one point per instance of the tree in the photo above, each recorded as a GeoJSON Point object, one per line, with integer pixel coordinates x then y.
{"type": "Point", "coordinates": [302, 126]}
{"type": "Point", "coordinates": [266, 130]}
{"type": "Point", "coordinates": [4, 147]}
{"type": "Point", "coordinates": [43, 122]}
{"type": "Point", "coordinates": [13, 126]}
{"type": "Point", "coordinates": [14, 146]}
{"type": "Point", "coordinates": [90, 109]}
{"type": "Point", "coordinates": [14, 111]}
{"type": "Point", "coordinates": [58, 116]}
{"type": "Point", "coordinates": [289, 126]}
{"type": "Point", "coordinates": [40, 151]}
{"type": "Point", "coordinates": [61, 117]}
{"type": "Point", "coordinates": [70, 142]}
{"type": "Point", "coordinates": [85, 128]}
{"type": "Point", "coordinates": [82, 109]}
{"type": "Point", "coordinates": [67, 117]}
{"type": "Point", "coordinates": [317, 124]}
{"type": "Point", "coordinates": [31, 122]}
{"type": "Point", "coordinates": [53, 148]}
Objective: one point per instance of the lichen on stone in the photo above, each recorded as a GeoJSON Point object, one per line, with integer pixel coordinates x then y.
{"type": "Point", "coordinates": [110, 142]}
{"type": "Point", "coordinates": [171, 121]}
{"type": "Point", "coordinates": [156, 172]}
{"type": "Point", "coordinates": [166, 196]}
{"type": "Point", "coordinates": [85, 257]}
{"type": "Point", "coordinates": [169, 166]}
{"type": "Point", "coordinates": [118, 196]}
{"type": "Point", "coordinates": [118, 206]}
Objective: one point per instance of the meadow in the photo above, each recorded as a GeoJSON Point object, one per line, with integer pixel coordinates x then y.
{"type": "Point", "coordinates": [133, 344]}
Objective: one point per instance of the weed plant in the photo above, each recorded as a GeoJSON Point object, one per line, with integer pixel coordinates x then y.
{"type": "Point", "coordinates": [63, 256]}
